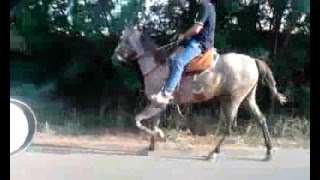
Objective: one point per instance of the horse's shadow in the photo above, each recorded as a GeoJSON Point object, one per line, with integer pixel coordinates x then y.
{"type": "Point", "coordinates": [47, 148]}
{"type": "Point", "coordinates": [217, 158]}
{"type": "Point", "coordinates": [138, 152]}
{"type": "Point", "coordinates": [256, 159]}
{"type": "Point", "coordinates": [199, 158]}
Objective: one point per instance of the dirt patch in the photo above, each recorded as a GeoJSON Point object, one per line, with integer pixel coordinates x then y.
{"type": "Point", "coordinates": [123, 141]}
{"type": "Point", "coordinates": [179, 141]}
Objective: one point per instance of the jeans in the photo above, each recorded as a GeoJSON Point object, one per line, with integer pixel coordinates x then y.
{"type": "Point", "coordinates": [191, 50]}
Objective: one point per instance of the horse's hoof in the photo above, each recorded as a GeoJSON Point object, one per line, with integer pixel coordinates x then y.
{"type": "Point", "coordinates": [217, 151]}
{"type": "Point", "coordinates": [268, 157]}
{"type": "Point", "coordinates": [162, 140]}
{"type": "Point", "coordinates": [159, 134]}
{"type": "Point", "coordinates": [151, 148]}
{"type": "Point", "coordinates": [212, 157]}
{"type": "Point", "coordinates": [207, 158]}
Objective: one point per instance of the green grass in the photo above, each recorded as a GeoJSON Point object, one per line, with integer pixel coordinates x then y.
{"type": "Point", "coordinates": [284, 130]}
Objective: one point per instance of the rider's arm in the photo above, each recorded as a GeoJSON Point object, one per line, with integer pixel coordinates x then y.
{"type": "Point", "coordinates": [199, 22]}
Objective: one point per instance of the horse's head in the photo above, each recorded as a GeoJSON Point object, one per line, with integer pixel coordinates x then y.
{"type": "Point", "coordinates": [129, 47]}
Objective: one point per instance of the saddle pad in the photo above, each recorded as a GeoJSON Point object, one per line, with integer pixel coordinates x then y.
{"type": "Point", "coordinates": [201, 62]}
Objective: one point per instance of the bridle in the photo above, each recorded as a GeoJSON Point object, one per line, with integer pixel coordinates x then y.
{"type": "Point", "coordinates": [141, 54]}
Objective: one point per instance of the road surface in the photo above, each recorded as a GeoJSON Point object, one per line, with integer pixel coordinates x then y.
{"type": "Point", "coordinates": [287, 164]}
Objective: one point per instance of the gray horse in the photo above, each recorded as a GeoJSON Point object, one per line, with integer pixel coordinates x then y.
{"type": "Point", "coordinates": [233, 78]}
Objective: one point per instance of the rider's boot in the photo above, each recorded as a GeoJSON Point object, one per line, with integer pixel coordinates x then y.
{"type": "Point", "coordinates": [162, 97]}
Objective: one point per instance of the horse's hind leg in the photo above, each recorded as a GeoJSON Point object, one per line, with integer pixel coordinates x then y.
{"type": "Point", "coordinates": [228, 113]}
{"type": "Point", "coordinates": [251, 101]}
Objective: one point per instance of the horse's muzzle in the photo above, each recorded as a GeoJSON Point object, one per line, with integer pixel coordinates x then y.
{"type": "Point", "coordinates": [117, 57]}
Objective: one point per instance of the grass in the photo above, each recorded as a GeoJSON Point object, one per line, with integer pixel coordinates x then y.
{"type": "Point", "coordinates": [89, 129]}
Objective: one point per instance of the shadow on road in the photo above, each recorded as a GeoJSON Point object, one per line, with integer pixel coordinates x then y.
{"type": "Point", "coordinates": [84, 150]}
{"type": "Point", "coordinates": [256, 159]}
{"type": "Point", "coordinates": [200, 158]}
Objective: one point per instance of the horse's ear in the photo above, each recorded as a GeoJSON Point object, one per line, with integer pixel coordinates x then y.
{"type": "Point", "coordinates": [139, 27]}
{"type": "Point", "coordinates": [126, 30]}
{"type": "Point", "coordinates": [135, 27]}
{"type": "Point", "coordinates": [130, 26]}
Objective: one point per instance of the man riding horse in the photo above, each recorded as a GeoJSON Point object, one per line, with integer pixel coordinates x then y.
{"type": "Point", "coordinates": [199, 38]}
{"type": "Point", "coordinates": [233, 77]}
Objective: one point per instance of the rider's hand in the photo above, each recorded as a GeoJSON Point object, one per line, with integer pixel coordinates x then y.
{"type": "Point", "coordinates": [181, 38]}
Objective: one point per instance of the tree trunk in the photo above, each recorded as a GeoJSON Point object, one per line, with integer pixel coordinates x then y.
{"type": "Point", "coordinates": [276, 30]}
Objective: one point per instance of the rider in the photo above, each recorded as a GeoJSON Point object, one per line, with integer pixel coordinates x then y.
{"type": "Point", "coordinates": [200, 37]}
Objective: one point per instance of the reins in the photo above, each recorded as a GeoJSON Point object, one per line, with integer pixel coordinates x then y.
{"type": "Point", "coordinates": [167, 45]}
{"type": "Point", "coordinates": [160, 48]}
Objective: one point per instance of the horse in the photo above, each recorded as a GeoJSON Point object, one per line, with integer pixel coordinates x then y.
{"type": "Point", "coordinates": [233, 78]}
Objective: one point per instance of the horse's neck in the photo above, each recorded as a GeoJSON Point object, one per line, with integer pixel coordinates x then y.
{"type": "Point", "coordinates": [154, 74]}
{"type": "Point", "coordinates": [147, 43]}
{"type": "Point", "coordinates": [148, 64]}
{"type": "Point", "coordinates": [153, 71]}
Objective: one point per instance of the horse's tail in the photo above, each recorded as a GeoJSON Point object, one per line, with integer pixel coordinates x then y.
{"type": "Point", "coordinates": [266, 76]}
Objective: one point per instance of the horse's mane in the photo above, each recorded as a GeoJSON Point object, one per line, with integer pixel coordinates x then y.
{"type": "Point", "coordinates": [148, 44]}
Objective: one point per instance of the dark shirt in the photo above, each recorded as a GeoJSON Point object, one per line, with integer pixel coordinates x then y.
{"type": "Point", "coordinates": [206, 17]}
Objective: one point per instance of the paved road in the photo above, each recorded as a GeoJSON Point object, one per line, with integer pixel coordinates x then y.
{"type": "Point", "coordinates": [293, 164]}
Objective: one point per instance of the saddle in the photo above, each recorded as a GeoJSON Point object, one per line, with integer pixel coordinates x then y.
{"type": "Point", "coordinates": [201, 62]}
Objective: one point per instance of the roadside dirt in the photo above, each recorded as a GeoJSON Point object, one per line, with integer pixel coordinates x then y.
{"type": "Point", "coordinates": [181, 141]}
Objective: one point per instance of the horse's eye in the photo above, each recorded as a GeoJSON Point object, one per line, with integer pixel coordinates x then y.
{"type": "Point", "coordinates": [126, 40]}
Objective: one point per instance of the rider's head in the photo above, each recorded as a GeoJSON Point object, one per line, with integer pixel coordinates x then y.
{"type": "Point", "coordinates": [205, 1]}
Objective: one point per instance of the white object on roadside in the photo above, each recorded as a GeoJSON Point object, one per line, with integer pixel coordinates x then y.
{"type": "Point", "coordinates": [19, 128]}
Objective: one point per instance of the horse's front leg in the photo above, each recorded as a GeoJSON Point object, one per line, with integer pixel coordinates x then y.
{"type": "Point", "coordinates": [148, 112]}
{"type": "Point", "coordinates": [157, 132]}
{"type": "Point", "coordinates": [156, 128]}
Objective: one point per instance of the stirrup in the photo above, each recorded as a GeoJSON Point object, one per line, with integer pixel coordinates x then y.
{"type": "Point", "coordinates": [159, 98]}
